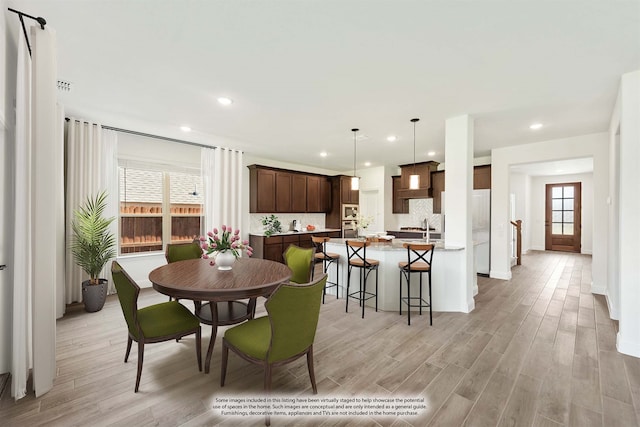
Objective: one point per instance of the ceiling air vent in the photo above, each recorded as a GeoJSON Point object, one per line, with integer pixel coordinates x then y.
{"type": "Point", "coordinates": [64, 86]}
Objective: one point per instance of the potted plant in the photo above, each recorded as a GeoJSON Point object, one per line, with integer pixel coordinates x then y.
{"type": "Point", "coordinates": [92, 246]}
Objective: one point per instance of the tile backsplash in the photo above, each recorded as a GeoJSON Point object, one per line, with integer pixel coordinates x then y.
{"type": "Point", "coordinates": [317, 219]}
{"type": "Point", "coordinates": [420, 209]}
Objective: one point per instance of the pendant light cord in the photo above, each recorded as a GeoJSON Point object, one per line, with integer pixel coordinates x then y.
{"type": "Point", "coordinates": [414, 144]}
{"type": "Point", "coordinates": [354, 150]}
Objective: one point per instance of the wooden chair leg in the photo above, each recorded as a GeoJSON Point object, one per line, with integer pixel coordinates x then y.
{"type": "Point", "coordinates": [223, 364]}
{"type": "Point", "coordinates": [126, 355]}
{"type": "Point", "coordinates": [199, 348]}
{"type": "Point", "coordinates": [140, 360]}
{"type": "Point", "coordinates": [312, 375]}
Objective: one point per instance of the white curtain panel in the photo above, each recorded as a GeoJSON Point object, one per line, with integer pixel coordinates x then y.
{"type": "Point", "coordinates": [38, 194]}
{"type": "Point", "coordinates": [91, 166]}
{"type": "Point", "coordinates": [222, 180]}
{"type": "Point", "coordinates": [21, 358]}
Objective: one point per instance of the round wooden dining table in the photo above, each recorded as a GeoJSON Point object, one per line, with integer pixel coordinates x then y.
{"type": "Point", "coordinates": [197, 280]}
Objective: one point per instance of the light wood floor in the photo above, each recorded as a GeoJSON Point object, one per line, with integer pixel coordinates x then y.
{"type": "Point", "coordinates": [537, 350]}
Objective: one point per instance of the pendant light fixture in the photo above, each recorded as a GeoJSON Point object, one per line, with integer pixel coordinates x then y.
{"type": "Point", "coordinates": [355, 181]}
{"type": "Point", "coordinates": [414, 179]}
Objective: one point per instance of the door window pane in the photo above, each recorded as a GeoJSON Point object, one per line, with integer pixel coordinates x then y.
{"type": "Point", "coordinates": [568, 230]}
{"type": "Point", "coordinates": [556, 192]}
{"type": "Point", "coordinates": [556, 228]}
{"type": "Point", "coordinates": [140, 210]}
{"type": "Point", "coordinates": [556, 204]}
{"type": "Point", "coordinates": [556, 216]}
{"type": "Point", "coordinates": [567, 216]}
{"type": "Point", "coordinates": [568, 192]}
{"type": "Point", "coordinates": [568, 204]}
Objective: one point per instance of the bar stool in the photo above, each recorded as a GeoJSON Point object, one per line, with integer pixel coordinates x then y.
{"type": "Point", "coordinates": [327, 259]}
{"type": "Point", "coordinates": [419, 257]}
{"type": "Point", "coordinates": [357, 255]}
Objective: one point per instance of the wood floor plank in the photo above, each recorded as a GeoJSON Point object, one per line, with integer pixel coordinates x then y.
{"type": "Point", "coordinates": [453, 412]}
{"type": "Point", "coordinates": [521, 408]}
{"type": "Point", "coordinates": [613, 377]}
{"type": "Point", "coordinates": [618, 414]}
{"type": "Point", "coordinates": [583, 417]}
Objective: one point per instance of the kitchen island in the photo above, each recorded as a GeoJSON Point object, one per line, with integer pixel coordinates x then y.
{"type": "Point", "coordinates": [445, 270]}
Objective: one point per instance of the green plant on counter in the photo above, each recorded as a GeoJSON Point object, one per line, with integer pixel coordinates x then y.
{"type": "Point", "coordinates": [272, 225]}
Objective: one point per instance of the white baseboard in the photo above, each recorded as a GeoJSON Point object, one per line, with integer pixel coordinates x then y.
{"type": "Point", "coordinates": [502, 275]}
{"type": "Point", "coordinates": [632, 348]}
{"type": "Point", "coordinates": [537, 248]}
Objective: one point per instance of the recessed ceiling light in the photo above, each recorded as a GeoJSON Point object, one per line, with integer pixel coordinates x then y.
{"type": "Point", "coordinates": [535, 126]}
{"type": "Point", "coordinates": [367, 164]}
{"type": "Point", "coordinates": [323, 154]}
{"type": "Point", "coordinates": [185, 128]}
{"type": "Point", "coordinates": [392, 138]}
{"type": "Point", "coordinates": [431, 153]}
{"type": "Point", "coordinates": [225, 101]}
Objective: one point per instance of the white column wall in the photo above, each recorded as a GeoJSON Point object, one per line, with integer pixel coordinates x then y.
{"type": "Point", "coordinates": [593, 145]}
{"type": "Point", "coordinates": [629, 333]}
{"type": "Point", "coordinates": [611, 289]}
{"type": "Point", "coordinates": [459, 185]}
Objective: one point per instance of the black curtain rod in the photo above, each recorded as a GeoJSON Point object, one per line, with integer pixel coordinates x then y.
{"type": "Point", "coordinates": [148, 135]}
{"type": "Point", "coordinates": [21, 15]}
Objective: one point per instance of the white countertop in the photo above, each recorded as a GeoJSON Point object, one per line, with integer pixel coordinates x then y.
{"type": "Point", "coordinates": [396, 244]}
{"type": "Point", "coordinates": [288, 233]}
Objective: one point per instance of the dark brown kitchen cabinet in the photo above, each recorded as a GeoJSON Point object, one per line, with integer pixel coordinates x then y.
{"type": "Point", "coordinates": [273, 247]}
{"type": "Point", "coordinates": [263, 190]}
{"type": "Point", "coordinates": [325, 194]}
{"type": "Point", "coordinates": [400, 205]}
{"type": "Point", "coordinates": [347, 195]}
{"type": "Point", "coordinates": [437, 187]}
{"type": "Point", "coordinates": [482, 177]}
{"type": "Point", "coordinates": [298, 193]}
{"type": "Point", "coordinates": [318, 194]}
{"type": "Point", "coordinates": [283, 192]}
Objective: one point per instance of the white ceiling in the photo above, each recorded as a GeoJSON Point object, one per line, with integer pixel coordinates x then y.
{"type": "Point", "coordinates": [557, 167]}
{"type": "Point", "coordinates": [303, 73]}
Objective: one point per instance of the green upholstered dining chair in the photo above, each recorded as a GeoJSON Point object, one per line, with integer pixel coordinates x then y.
{"type": "Point", "coordinates": [301, 262]}
{"type": "Point", "coordinates": [183, 251]}
{"type": "Point", "coordinates": [156, 323]}
{"type": "Point", "coordinates": [284, 335]}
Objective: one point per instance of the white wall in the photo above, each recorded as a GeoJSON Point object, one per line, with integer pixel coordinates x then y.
{"type": "Point", "coordinates": [537, 208]}
{"type": "Point", "coordinates": [519, 186]}
{"type": "Point", "coordinates": [593, 145]}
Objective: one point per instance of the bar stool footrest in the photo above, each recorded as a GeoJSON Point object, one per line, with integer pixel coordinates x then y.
{"type": "Point", "coordinates": [422, 304]}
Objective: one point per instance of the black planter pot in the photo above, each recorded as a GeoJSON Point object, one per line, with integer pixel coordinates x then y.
{"type": "Point", "coordinates": [94, 296]}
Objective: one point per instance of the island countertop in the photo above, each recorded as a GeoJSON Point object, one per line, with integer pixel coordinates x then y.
{"type": "Point", "coordinates": [396, 244]}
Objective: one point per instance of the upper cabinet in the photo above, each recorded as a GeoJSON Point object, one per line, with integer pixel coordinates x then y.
{"type": "Point", "coordinates": [347, 195]}
{"type": "Point", "coordinates": [437, 187]}
{"type": "Point", "coordinates": [283, 191]}
{"type": "Point", "coordinates": [481, 180]}
{"type": "Point", "coordinates": [482, 177]}
{"type": "Point", "coordinates": [423, 170]}
{"type": "Point", "coordinates": [400, 205]}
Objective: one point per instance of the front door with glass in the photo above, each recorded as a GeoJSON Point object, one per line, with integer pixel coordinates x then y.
{"type": "Point", "coordinates": [562, 220]}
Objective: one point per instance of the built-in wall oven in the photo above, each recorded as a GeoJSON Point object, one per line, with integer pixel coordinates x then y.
{"type": "Point", "coordinates": [349, 212]}
{"type": "Point", "coordinates": [349, 229]}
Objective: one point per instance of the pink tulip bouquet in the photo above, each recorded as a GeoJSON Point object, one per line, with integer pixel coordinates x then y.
{"type": "Point", "coordinates": [226, 241]}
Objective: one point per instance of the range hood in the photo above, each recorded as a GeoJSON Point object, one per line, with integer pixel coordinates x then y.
{"type": "Point", "coordinates": [423, 170]}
